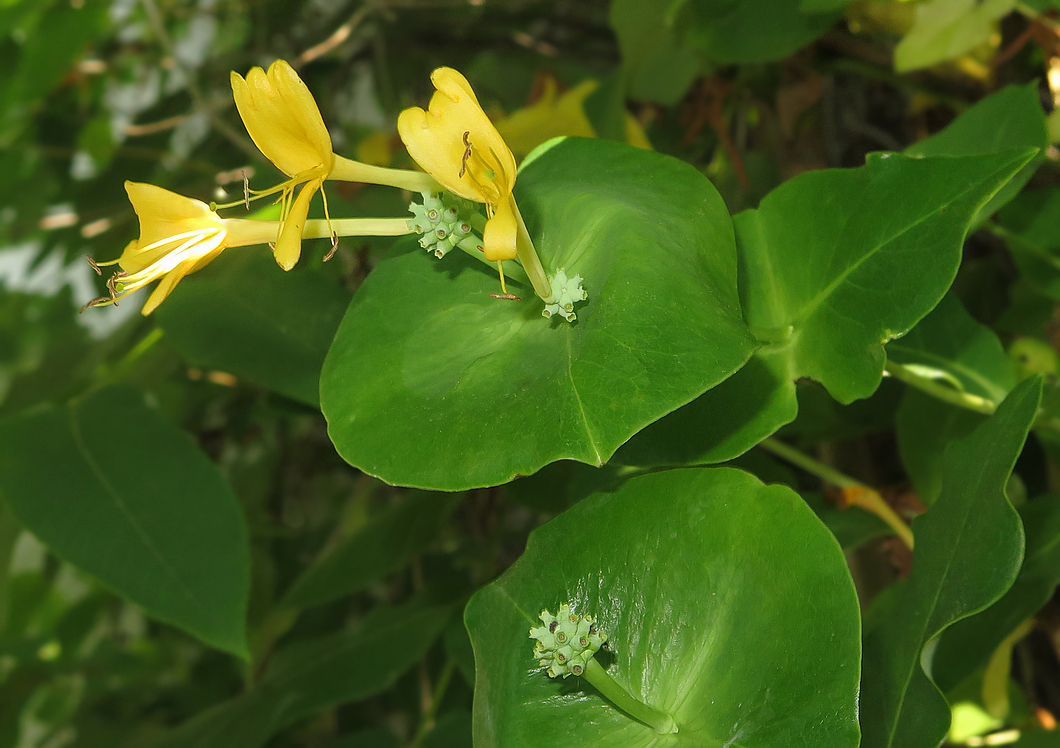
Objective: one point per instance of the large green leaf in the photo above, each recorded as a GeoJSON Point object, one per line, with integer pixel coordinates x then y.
{"type": "Point", "coordinates": [727, 604]}
{"type": "Point", "coordinates": [385, 544]}
{"type": "Point", "coordinates": [432, 383]}
{"type": "Point", "coordinates": [311, 676]}
{"type": "Point", "coordinates": [968, 644]}
{"type": "Point", "coordinates": [112, 487]}
{"type": "Point", "coordinates": [245, 316]}
{"type": "Point", "coordinates": [750, 30]}
{"type": "Point", "coordinates": [969, 546]}
{"type": "Point", "coordinates": [838, 262]}
{"type": "Point", "coordinates": [1009, 118]}
{"type": "Point", "coordinates": [951, 347]}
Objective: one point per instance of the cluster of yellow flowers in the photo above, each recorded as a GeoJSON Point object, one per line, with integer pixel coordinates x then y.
{"type": "Point", "coordinates": [453, 141]}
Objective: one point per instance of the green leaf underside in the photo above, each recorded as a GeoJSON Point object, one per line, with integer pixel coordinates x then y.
{"type": "Point", "coordinates": [112, 487]}
{"type": "Point", "coordinates": [243, 315]}
{"type": "Point", "coordinates": [969, 643]}
{"type": "Point", "coordinates": [432, 383]}
{"type": "Point", "coordinates": [969, 546]}
{"type": "Point", "coordinates": [312, 676]}
{"type": "Point", "coordinates": [829, 277]}
{"type": "Point", "coordinates": [385, 544]}
{"type": "Point", "coordinates": [947, 29]}
{"type": "Point", "coordinates": [746, 642]}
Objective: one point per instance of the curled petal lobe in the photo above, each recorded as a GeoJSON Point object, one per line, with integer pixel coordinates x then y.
{"type": "Point", "coordinates": [289, 243]}
{"type": "Point", "coordinates": [499, 238]}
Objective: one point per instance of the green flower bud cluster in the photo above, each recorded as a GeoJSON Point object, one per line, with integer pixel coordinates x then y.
{"type": "Point", "coordinates": [566, 642]}
{"type": "Point", "coordinates": [440, 221]}
{"type": "Point", "coordinates": [566, 291]}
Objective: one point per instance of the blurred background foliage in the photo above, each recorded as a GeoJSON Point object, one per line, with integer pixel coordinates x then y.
{"type": "Point", "coordinates": [361, 578]}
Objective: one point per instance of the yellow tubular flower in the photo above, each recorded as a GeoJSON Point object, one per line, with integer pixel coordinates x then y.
{"type": "Point", "coordinates": [455, 142]}
{"type": "Point", "coordinates": [285, 124]}
{"type": "Point", "coordinates": [178, 235]}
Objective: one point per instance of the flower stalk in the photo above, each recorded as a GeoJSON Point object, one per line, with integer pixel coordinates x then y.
{"type": "Point", "coordinates": [657, 720]}
{"type": "Point", "coordinates": [565, 645]}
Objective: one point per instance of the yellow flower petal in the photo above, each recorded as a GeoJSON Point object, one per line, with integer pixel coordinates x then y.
{"type": "Point", "coordinates": [171, 279]}
{"type": "Point", "coordinates": [289, 243]}
{"type": "Point", "coordinates": [438, 140]}
{"type": "Point", "coordinates": [282, 119]}
{"type": "Point", "coordinates": [499, 237]}
{"type": "Point", "coordinates": [162, 214]}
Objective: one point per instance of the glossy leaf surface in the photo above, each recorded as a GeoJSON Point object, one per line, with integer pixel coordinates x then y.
{"type": "Point", "coordinates": [1009, 118]}
{"type": "Point", "coordinates": [727, 604]}
{"type": "Point", "coordinates": [431, 382]}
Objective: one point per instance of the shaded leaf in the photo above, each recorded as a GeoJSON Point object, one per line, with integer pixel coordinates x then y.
{"type": "Point", "coordinates": [243, 315]}
{"type": "Point", "coordinates": [969, 643]}
{"type": "Point", "coordinates": [135, 504]}
{"type": "Point", "coordinates": [383, 545]}
{"type": "Point", "coordinates": [969, 546]}
{"type": "Point", "coordinates": [310, 676]}
{"type": "Point", "coordinates": [751, 30]}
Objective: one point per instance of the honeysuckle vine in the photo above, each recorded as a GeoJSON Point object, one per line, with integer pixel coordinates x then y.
{"type": "Point", "coordinates": [465, 159]}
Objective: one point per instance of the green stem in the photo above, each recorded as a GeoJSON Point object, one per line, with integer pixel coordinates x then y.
{"type": "Point", "coordinates": [528, 258]}
{"type": "Point", "coordinates": [941, 391]}
{"type": "Point", "coordinates": [472, 246]}
{"type": "Point", "coordinates": [427, 723]}
{"type": "Point", "coordinates": [960, 399]}
{"type": "Point", "coordinates": [661, 722]}
{"type": "Point", "coordinates": [809, 464]}
{"type": "Point", "coordinates": [864, 497]}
